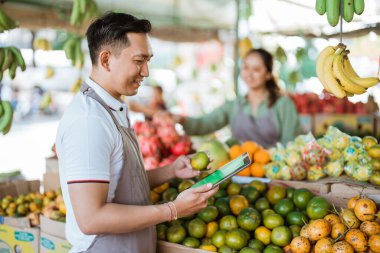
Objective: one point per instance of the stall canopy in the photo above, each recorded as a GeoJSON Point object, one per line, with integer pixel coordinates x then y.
{"type": "Point", "coordinates": [194, 20]}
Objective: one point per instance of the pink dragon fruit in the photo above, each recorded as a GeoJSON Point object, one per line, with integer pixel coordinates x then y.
{"type": "Point", "coordinates": [146, 128]}
{"type": "Point", "coordinates": [150, 146]}
{"type": "Point", "coordinates": [182, 147]}
{"type": "Point", "coordinates": [151, 162]}
{"type": "Point", "coordinates": [168, 134]}
{"type": "Point", "coordinates": [137, 127]}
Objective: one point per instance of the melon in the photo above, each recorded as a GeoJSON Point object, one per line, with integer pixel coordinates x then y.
{"type": "Point", "coordinates": [217, 152]}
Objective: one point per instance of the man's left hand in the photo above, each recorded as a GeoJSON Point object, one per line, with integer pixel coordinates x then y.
{"type": "Point", "coordinates": [182, 168]}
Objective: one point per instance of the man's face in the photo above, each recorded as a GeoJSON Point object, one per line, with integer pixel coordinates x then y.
{"type": "Point", "coordinates": [130, 67]}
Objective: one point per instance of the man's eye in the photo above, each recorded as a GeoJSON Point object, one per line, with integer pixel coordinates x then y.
{"type": "Point", "coordinates": [139, 62]}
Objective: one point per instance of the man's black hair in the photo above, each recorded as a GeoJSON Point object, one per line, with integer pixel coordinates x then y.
{"type": "Point", "coordinates": [111, 30]}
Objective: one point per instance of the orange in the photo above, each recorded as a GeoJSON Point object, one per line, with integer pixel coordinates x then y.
{"type": "Point", "coordinates": [211, 228]}
{"type": "Point", "coordinates": [235, 151]}
{"type": "Point", "coordinates": [238, 203]}
{"type": "Point", "coordinates": [257, 170]}
{"type": "Point", "coordinates": [245, 173]}
{"type": "Point", "coordinates": [209, 248]}
{"type": "Point", "coordinates": [261, 156]}
{"type": "Point", "coordinates": [161, 188]}
{"type": "Point", "coordinates": [249, 146]}
{"type": "Point", "coordinates": [263, 234]}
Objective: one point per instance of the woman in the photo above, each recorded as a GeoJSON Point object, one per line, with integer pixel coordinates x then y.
{"type": "Point", "coordinates": [264, 115]}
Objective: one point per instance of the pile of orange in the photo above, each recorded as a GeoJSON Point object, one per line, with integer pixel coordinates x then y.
{"type": "Point", "coordinates": [259, 155]}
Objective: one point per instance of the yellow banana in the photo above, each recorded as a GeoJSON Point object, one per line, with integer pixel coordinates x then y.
{"type": "Point", "coordinates": [329, 78]}
{"type": "Point", "coordinates": [353, 76]}
{"type": "Point", "coordinates": [344, 81]}
{"type": "Point", "coordinates": [321, 62]}
{"type": "Point", "coordinates": [76, 85]}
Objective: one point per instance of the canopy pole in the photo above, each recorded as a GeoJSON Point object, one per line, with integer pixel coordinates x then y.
{"type": "Point", "coordinates": [236, 51]}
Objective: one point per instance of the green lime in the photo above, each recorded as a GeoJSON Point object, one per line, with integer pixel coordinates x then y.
{"type": "Point", "coordinates": [191, 242]}
{"type": "Point", "coordinates": [251, 193]}
{"type": "Point", "coordinates": [185, 184]}
{"type": "Point", "coordinates": [281, 236]}
{"type": "Point", "coordinates": [249, 220]}
{"type": "Point", "coordinates": [176, 234]}
{"type": "Point", "coordinates": [200, 161]}
{"type": "Point", "coordinates": [228, 222]}
{"type": "Point", "coordinates": [262, 204]}
{"type": "Point", "coordinates": [274, 220]}
{"type": "Point", "coordinates": [273, 249]}
{"type": "Point", "coordinates": [296, 218]}
{"type": "Point", "coordinates": [256, 244]}
{"type": "Point", "coordinates": [208, 214]}
{"type": "Point", "coordinates": [301, 197]}
{"type": "Point", "coordinates": [197, 228]}
{"type": "Point", "coordinates": [249, 250]}
{"type": "Point", "coordinates": [284, 207]}
{"type": "Point", "coordinates": [317, 208]}
{"type": "Point", "coordinates": [218, 238]}
{"type": "Point", "coordinates": [236, 239]}
{"type": "Point", "coordinates": [266, 212]}
{"type": "Point", "coordinates": [290, 192]}
{"type": "Point", "coordinates": [161, 231]}
{"type": "Point", "coordinates": [223, 205]}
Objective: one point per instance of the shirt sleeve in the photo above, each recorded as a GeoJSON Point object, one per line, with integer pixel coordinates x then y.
{"type": "Point", "coordinates": [288, 119]}
{"type": "Point", "coordinates": [209, 122]}
{"type": "Point", "coordinates": [87, 147]}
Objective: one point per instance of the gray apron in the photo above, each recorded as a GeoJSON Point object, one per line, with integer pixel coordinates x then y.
{"type": "Point", "coordinates": [262, 130]}
{"type": "Point", "coordinates": [132, 189]}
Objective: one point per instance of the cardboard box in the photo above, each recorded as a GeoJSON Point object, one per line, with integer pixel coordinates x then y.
{"type": "Point", "coordinates": [19, 239]}
{"type": "Point", "coordinates": [22, 222]}
{"type": "Point", "coordinates": [53, 244]}
{"type": "Point", "coordinates": [51, 164]}
{"type": "Point", "coordinates": [53, 237]}
{"type": "Point", "coordinates": [51, 181]}
{"type": "Point", "coordinates": [168, 247]}
{"type": "Point", "coordinates": [19, 187]}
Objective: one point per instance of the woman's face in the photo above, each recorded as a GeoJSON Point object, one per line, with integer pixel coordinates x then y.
{"type": "Point", "coordinates": [254, 72]}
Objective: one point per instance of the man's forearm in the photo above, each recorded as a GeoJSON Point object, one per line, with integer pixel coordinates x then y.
{"type": "Point", "coordinates": [124, 218]}
{"type": "Point", "coordinates": [160, 175]}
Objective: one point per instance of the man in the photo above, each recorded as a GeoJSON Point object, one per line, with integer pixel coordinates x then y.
{"type": "Point", "coordinates": [104, 184]}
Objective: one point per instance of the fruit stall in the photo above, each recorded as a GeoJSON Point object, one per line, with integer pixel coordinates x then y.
{"type": "Point", "coordinates": [319, 192]}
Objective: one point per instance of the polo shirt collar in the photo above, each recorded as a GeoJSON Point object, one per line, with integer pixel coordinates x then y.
{"type": "Point", "coordinates": [113, 103]}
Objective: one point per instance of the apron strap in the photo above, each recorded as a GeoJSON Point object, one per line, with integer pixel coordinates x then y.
{"type": "Point", "coordinates": [88, 91]}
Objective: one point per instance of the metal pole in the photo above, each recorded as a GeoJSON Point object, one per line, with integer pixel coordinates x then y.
{"type": "Point", "coordinates": [236, 45]}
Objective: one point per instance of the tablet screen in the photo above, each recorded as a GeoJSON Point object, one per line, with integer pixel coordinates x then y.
{"type": "Point", "coordinates": [225, 172]}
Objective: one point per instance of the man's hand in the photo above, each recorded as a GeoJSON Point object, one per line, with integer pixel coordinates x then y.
{"type": "Point", "coordinates": [182, 168]}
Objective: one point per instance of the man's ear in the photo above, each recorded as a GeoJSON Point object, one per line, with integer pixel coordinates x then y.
{"type": "Point", "coordinates": [104, 58]}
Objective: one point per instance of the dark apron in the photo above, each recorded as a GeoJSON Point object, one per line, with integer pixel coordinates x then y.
{"type": "Point", "coordinates": [132, 189]}
{"type": "Point", "coordinates": [262, 130]}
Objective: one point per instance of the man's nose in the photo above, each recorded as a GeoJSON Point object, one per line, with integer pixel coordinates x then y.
{"type": "Point", "coordinates": [145, 70]}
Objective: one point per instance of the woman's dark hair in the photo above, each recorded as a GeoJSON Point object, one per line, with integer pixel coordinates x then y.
{"type": "Point", "coordinates": [271, 84]}
{"type": "Point", "coordinates": [111, 30]}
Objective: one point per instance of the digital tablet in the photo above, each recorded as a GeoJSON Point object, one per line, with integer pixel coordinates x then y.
{"type": "Point", "coordinates": [226, 171]}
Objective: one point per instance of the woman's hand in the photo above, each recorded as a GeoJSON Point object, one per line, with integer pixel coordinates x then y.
{"type": "Point", "coordinates": [193, 200]}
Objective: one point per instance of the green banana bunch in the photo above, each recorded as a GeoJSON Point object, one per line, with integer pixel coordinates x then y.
{"type": "Point", "coordinates": [83, 10]}
{"type": "Point", "coordinates": [73, 51]}
{"type": "Point", "coordinates": [6, 23]}
{"type": "Point", "coordinates": [11, 58]}
{"type": "Point", "coordinates": [6, 117]}
{"type": "Point", "coordinates": [337, 76]}
{"type": "Point", "coordinates": [332, 9]}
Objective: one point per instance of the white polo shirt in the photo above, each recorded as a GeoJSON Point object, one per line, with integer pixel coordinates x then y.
{"type": "Point", "coordinates": [90, 149]}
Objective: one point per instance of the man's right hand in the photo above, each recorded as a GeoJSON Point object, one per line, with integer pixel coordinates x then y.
{"type": "Point", "coordinates": [193, 200]}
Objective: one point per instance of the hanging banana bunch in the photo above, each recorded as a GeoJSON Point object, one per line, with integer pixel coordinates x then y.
{"type": "Point", "coordinates": [332, 9]}
{"type": "Point", "coordinates": [6, 116]}
{"type": "Point", "coordinates": [42, 44]}
{"type": "Point", "coordinates": [73, 51]}
{"type": "Point", "coordinates": [11, 58]}
{"type": "Point", "coordinates": [337, 75]}
{"type": "Point", "coordinates": [6, 23]}
{"type": "Point", "coordinates": [83, 10]}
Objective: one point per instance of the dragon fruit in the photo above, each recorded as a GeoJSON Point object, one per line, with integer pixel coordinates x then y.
{"type": "Point", "coordinates": [150, 146]}
{"type": "Point", "coordinates": [168, 134]}
{"type": "Point", "coordinates": [151, 162]}
{"type": "Point", "coordinates": [145, 128]}
{"type": "Point", "coordinates": [182, 147]}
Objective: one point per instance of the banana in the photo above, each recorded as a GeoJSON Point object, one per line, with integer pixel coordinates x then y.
{"type": "Point", "coordinates": [7, 59]}
{"type": "Point", "coordinates": [7, 117]}
{"type": "Point", "coordinates": [18, 56]}
{"type": "Point", "coordinates": [2, 54]}
{"type": "Point", "coordinates": [332, 10]}
{"type": "Point", "coordinates": [348, 10]}
{"type": "Point", "coordinates": [68, 48]}
{"type": "Point", "coordinates": [321, 62]}
{"type": "Point", "coordinates": [76, 85]}
{"type": "Point", "coordinates": [329, 78]}
{"type": "Point", "coordinates": [82, 5]}
{"type": "Point", "coordinates": [359, 6]}
{"type": "Point", "coordinates": [79, 59]}
{"type": "Point", "coordinates": [75, 13]}
{"type": "Point", "coordinates": [6, 21]}
{"type": "Point", "coordinates": [354, 77]}
{"type": "Point", "coordinates": [1, 110]}
{"type": "Point", "coordinates": [344, 81]}
{"type": "Point", "coordinates": [12, 70]}
{"type": "Point", "coordinates": [320, 6]}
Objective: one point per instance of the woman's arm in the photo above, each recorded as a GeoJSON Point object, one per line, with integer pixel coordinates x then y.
{"type": "Point", "coordinates": [288, 119]}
